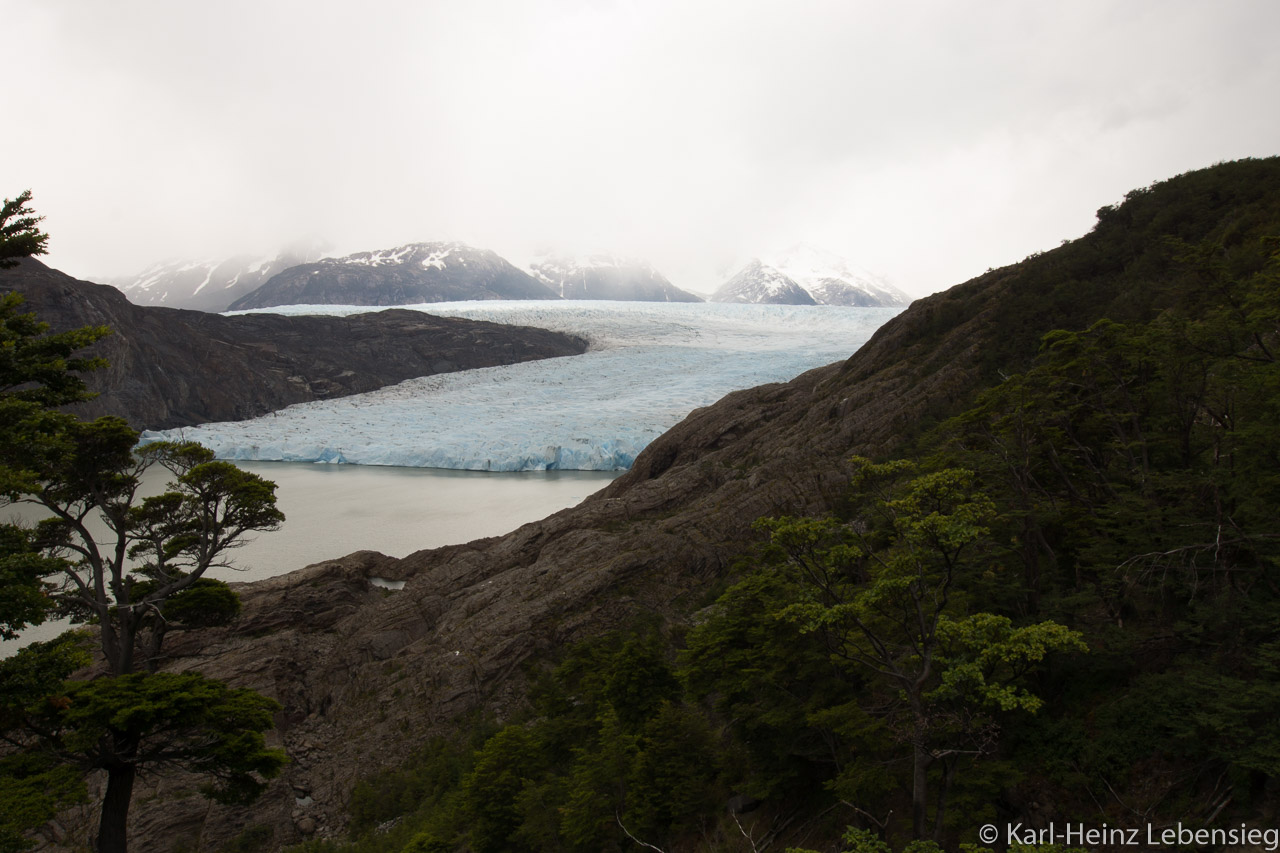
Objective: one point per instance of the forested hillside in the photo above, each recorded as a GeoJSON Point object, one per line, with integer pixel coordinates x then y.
{"type": "Point", "coordinates": [1053, 598]}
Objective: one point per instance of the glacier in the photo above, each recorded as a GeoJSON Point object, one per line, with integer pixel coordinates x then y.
{"type": "Point", "coordinates": [649, 364]}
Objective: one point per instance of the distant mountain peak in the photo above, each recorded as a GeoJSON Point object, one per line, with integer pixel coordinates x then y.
{"type": "Point", "coordinates": [808, 275]}
{"type": "Point", "coordinates": [760, 283]}
{"type": "Point", "coordinates": [604, 275]}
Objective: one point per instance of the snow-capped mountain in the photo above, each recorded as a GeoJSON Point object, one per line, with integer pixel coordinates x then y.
{"type": "Point", "coordinates": [807, 275]}
{"type": "Point", "coordinates": [210, 284]}
{"type": "Point", "coordinates": [406, 275]}
{"type": "Point", "coordinates": [758, 283]}
{"type": "Point", "coordinates": [606, 276]}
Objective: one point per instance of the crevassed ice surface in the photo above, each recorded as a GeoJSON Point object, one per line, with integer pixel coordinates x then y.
{"type": "Point", "coordinates": [649, 364]}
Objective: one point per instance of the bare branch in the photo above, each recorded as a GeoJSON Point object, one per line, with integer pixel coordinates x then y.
{"type": "Point", "coordinates": [618, 818]}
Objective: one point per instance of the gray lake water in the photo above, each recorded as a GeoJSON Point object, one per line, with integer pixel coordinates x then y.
{"type": "Point", "coordinates": [332, 510]}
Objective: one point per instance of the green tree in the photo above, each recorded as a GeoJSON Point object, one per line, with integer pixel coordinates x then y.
{"type": "Point", "coordinates": [140, 581]}
{"type": "Point", "coordinates": [34, 785]}
{"type": "Point", "coordinates": [506, 766]}
{"type": "Point", "coordinates": [131, 565]}
{"type": "Point", "coordinates": [39, 372]}
{"type": "Point", "coordinates": [20, 235]}
{"type": "Point", "coordinates": [155, 720]}
{"type": "Point", "coordinates": [883, 594]}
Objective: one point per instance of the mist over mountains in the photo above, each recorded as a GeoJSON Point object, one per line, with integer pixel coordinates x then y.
{"type": "Point", "coordinates": [808, 275]}
{"type": "Point", "coordinates": [210, 284]}
{"type": "Point", "coordinates": [454, 271]}
{"type": "Point", "coordinates": [607, 276]}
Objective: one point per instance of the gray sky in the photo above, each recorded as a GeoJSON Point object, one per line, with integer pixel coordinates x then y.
{"type": "Point", "coordinates": [925, 141]}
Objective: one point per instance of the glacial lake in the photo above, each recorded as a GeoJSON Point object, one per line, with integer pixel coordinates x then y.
{"type": "Point", "coordinates": [332, 510]}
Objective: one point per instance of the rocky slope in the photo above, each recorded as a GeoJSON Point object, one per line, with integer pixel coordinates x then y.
{"type": "Point", "coordinates": [365, 675]}
{"type": "Point", "coordinates": [207, 285]}
{"type": "Point", "coordinates": [603, 276]}
{"type": "Point", "coordinates": [171, 368]}
{"type": "Point", "coordinates": [807, 275]}
{"type": "Point", "coordinates": [417, 272]}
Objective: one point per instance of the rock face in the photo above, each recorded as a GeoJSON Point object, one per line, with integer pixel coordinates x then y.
{"type": "Point", "coordinates": [171, 368]}
{"type": "Point", "coordinates": [364, 675]}
{"type": "Point", "coordinates": [807, 275]}
{"type": "Point", "coordinates": [207, 285]}
{"type": "Point", "coordinates": [603, 276]}
{"type": "Point", "coordinates": [417, 272]}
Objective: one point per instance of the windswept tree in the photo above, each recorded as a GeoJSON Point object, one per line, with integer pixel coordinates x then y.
{"type": "Point", "coordinates": [20, 234]}
{"type": "Point", "coordinates": [145, 577]}
{"type": "Point", "coordinates": [133, 566]}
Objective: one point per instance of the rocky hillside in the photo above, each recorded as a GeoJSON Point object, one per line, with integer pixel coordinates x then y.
{"type": "Point", "coordinates": [364, 675]}
{"type": "Point", "coordinates": [417, 272]}
{"type": "Point", "coordinates": [171, 368]}
{"type": "Point", "coordinates": [207, 285]}
{"type": "Point", "coordinates": [603, 276]}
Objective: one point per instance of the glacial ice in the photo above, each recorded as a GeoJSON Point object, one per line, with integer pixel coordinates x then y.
{"type": "Point", "coordinates": [649, 364]}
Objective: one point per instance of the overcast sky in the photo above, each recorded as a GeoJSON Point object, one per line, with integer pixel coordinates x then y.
{"type": "Point", "coordinates": [925, 141]}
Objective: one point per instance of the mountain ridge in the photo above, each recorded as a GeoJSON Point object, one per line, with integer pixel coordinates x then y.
{"type": "Point", "coordinates": [406, 275]}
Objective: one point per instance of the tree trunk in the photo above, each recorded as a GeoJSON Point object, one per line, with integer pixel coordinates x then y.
{"type": "Point", "coordinates": [919, 790]}
{"type": "Point", "coordinates": [948, 773]}
{"type": "Point", "coordinates": [125, 632]}
{"type": "Point", "coordinates": [112, 829]}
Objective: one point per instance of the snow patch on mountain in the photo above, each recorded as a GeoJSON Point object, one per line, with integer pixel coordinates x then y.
{"type": "Point", "coordinates": [759, 284]}
{"type": "Point", "coordinates": [408, 274]}
{"type": "Point", "coordinates": [808, 275]}
{"type": "Point", "coordinates": [427, 255]}
{"type": "Point", "coordinates": [606, 276]}
{"type": "Point", "coordinates": [208, 284]}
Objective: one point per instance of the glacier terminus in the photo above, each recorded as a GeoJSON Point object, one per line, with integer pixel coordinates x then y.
{"type": "Point", "coordinates": [647, 367]}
